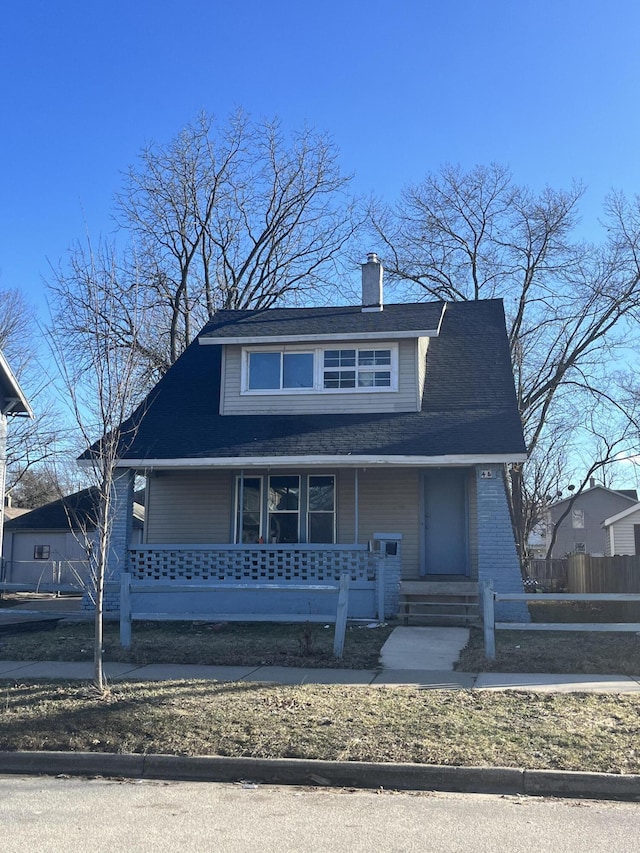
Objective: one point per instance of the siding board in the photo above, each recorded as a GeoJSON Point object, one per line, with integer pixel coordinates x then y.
{"type": "Point", "coordinates": [623, 535]}
{"type": "Point", "coordinates": [189, 507]}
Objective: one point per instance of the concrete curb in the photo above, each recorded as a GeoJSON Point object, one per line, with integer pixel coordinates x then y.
{"type": "Point", "coordinates": [349, 774]}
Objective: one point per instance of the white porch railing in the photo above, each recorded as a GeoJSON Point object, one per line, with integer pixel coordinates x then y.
{"type": "Point", "coordinates": [252, 563]}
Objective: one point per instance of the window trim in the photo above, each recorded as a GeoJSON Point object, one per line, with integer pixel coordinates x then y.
{"type": "Point", "coordinates": [319, 369]}
{"type": "Point", "coordinates": [41, 548]}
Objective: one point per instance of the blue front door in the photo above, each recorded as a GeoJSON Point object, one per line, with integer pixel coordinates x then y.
{"type": "Point", "coordinates": [446, 534]}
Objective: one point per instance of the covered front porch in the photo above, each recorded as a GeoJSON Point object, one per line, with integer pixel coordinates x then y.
{"type": "Point", "coordinates": [383, 524]}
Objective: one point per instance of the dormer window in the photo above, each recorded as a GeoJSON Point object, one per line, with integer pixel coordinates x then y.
{"type": "Point", "coordinates": [291, 370]}
{"type": "Point", "coordinates": [275, 371]}
{"type": "Point", "coordinates": [352, 368]}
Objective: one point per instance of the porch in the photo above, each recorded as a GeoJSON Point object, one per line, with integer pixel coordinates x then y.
{"type": "Point", "coordinates": [226, 528]}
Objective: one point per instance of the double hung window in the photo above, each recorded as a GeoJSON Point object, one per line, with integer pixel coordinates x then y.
{"type": "Point", "coordinates": [357, 368]}
{"type": "Point", "coordinates": [283, 507]}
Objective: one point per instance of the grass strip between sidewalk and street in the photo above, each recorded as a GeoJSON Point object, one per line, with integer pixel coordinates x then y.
{"type": "Point", "coordinates": [593, 732]}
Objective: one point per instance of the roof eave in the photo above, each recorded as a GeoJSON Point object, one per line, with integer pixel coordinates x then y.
{"type": "Point", "coordinates": [17, 399]}
{"type": "Point", "coordinates": [319, 338]}
{"type": "Point", "coordinates": [343, 461]}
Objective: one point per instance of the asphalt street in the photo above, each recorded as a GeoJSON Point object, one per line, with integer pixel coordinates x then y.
{"type": "Point", "coordinates": [52, 815]}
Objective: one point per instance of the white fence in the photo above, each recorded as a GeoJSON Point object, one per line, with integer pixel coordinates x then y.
{"type": "Point", "coordinates": [45, 576]}
{"type": "Point", "coordinates": [130, 591]}
{"type": "Point", "coordinates": [489, 597]}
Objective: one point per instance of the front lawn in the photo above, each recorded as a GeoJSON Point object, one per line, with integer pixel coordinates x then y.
{"type": "Point", "coordinates": [554, 652]}
{"type": "Point", "coordinates": [221, 644]}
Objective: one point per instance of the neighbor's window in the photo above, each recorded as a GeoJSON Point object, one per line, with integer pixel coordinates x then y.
{"type": "Point", "coordinates": [577, 518]}
{"type": "Point", "coordinates": [321, 509]}
{"type": "Point", "coordinates": [352, 368]}
{"type": "Point", "coordinates": [279, 370]}
{"type": "Point", "coordinates": [41, 552]}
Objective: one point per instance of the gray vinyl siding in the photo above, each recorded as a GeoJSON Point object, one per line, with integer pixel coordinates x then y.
{"type": "Point", "coordinates": [188, 507]}
{"type": "Point", "coordinates": [623, 535]}
{"type": "Point", "coordinates": [597, 504]}
{"type": "Point", "coordinates": [405, 399]}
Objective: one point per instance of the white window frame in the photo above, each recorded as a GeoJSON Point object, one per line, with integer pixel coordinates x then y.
{"type": "Point", "coordinates": [246, 355]}
{"type": "Point", "coordinates": [319, 369]}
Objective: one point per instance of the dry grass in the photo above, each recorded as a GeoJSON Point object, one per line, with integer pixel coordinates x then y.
{"type": "Point", "coordinates": [554, 652]}
{"type": "Point", "coordinates": [571, 732]}
{"type": "Point", "coordinates": [240, 644]}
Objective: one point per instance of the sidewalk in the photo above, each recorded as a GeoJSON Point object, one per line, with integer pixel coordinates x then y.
{"type": "Point", "coordinates": [423, 679]}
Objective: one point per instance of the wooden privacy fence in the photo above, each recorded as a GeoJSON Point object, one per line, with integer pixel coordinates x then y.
{"type": "Point", "coordinates": [603, 574]}
{"type": "Point", "coordinates": [489, 597]}
{"type": "Point", "coordinates": [547, 574]}
{"type": "Point", "coordinates": [129, 589]}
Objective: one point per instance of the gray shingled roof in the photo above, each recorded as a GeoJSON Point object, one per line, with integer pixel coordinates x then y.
{"type": "Point", "coordinates": [469, 404]}
{"type": "Point", "coordinates": [345, 321]}
{"type": "Point", "coordinates": [77, 511]}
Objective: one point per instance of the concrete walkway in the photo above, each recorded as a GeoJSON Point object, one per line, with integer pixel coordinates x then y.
{"type": "Point", "coordinates": [423, 648]}
{"type": "Point", "coordinates": [423, 679]}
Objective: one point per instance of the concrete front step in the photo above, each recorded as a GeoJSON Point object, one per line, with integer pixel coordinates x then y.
{"type": "Point", "coordinates": [439, 603]}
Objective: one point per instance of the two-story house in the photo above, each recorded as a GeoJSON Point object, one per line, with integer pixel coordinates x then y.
{"type": "Point", "coordinates": [578, 520]}
{"type": "Point", "coordinates": [288, 444]}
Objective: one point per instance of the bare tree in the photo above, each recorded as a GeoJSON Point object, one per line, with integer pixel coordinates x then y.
{"type": "Point", "coordinates": [101, 383]}
{"type": "Point", "coordinates": [31, 441]}
{"type": "Point", "coordinates": [475, 235]}
{"type": "Point", "coordinates": [226, 216]}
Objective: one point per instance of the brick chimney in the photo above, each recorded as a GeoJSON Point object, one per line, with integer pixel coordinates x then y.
{"type": "Point", "coordinates": [372, 273]}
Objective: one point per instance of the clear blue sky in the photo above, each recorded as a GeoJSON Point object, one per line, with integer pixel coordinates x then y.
{"type": "Point", "coordinates": [548, 87]}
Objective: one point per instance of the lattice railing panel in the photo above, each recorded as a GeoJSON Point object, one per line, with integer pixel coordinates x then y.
{"type": "Point", "coordinates": [246, 565]}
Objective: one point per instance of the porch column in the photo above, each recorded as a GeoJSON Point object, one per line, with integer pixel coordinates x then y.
{"type": "Point", "coordinates": [497, 554]}
{"type": "Point", "coordinates": [120, 538]}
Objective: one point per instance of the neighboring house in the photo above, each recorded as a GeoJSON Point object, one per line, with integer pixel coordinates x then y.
{"type": "Point", "coordinates": [13, 403]}
{"type": "Point", "coordinates": [47, 546]}
{"type": "Point", "coordinates": [622, 532]}
{"type": "Point", "coordinates": [288, 444]}
{"type": "Point", "coordinates": [581, 531]}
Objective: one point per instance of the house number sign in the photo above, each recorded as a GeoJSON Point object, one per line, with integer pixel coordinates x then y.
{"type": "Point", "coordinates": [486, 474]}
